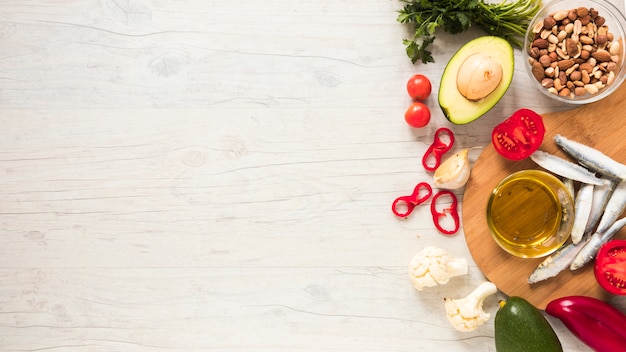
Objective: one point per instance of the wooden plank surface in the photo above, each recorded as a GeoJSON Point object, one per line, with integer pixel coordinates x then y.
{"type": "Point", "coordinates": [600, 125]}
{"type": "Point", "coordinates": [208, 175]}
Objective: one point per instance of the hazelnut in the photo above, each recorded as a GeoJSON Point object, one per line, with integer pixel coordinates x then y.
{"type": "Point", "coordinates": [575, 76]}
{"type": "Point", "coordinates": [564, 92]}
{"type": "Point", "coordinates": [545, 60]}
{"type": "Point", "coordinates": [600, 21]}
{"type": "Point", "coordinates": [601, 39]}
{"type": "Point", "coordinates": [549, 22]}
{"type": "Point", "coordinates": [572, 15]}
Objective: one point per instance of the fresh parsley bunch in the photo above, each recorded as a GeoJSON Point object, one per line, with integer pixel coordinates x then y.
{"type": "Point", "coordinates": [507, 19]}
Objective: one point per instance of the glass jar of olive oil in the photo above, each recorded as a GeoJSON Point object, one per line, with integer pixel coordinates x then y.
{"type": "Point", "coordinates": [530, 213]}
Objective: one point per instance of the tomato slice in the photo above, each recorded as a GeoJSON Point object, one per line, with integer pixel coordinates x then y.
{"type": "Point", "coordinates": [519, 135]}
{"type": "Point", "coordinates": [610, 267]}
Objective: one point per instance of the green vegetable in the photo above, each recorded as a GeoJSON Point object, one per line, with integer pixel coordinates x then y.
{"type": "Point", "coordinates": [520, 327]}
{"type": "Point", "coordinates": [508, 19]}
{"type": "Point", "coordinates": [479, 58]}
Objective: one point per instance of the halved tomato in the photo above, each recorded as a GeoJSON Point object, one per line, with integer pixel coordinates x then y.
{"type": "Point", "coordinates": [610, 267]}
{"type": "Point", "coordinates": [519, 135]}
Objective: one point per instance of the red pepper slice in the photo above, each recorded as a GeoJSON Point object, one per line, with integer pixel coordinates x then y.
{"type": "Point", "coordinates": [594, 322]}
{"type": "Point", "coordinates": [450, 211]}
{"type": "Point", "coordinates": [437, 149]}
{"type": "Point", "coordinates": [610, 267]}
{"type": "Point", "coordinates": [413, 200]}
{"type": "Point", "coordinates": [519, 135]}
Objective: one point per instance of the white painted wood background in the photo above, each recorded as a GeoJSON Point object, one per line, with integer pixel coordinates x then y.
{"type": "Point", "coordinates": [205, 175]}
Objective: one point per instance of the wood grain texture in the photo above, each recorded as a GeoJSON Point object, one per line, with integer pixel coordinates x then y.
{"type": "Point", "coordinates": [209, 175]}
{"type": "Point", "coordinates": [599, 125]}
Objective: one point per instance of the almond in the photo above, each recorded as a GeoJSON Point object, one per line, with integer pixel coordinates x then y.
{"type": "Point", "coordinates": [565, 64]}
{"type": "Point", "coordinates": [571, 47]}
{"type": "Point", "coordinates": [538, 71]}
{"type": "Point", "coordinates": [602, 55]}
{"type": "Point", "coordinates": [540, 43]}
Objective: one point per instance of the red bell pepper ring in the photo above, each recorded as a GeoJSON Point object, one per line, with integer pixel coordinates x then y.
{"type": "Point", "coordinates": [594, 322]}
{"type": "Point", "coordinates": [450, 211]}
{"type": "Point", "coordinates": [413, 200]}
{"type": "Point", "coordinates": [437, 149]}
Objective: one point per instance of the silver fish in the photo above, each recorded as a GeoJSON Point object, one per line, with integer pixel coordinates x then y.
{"type": "Point", "coordinates": [601, 195]}
{"type": "Point", "coordinates": [589, 251]}
{"type": "Point", "coordinates": [569, 185]}
{"type": "Point", "coordinates": [584, 199]}
{"type": "Point", "coordinates": [615, 206]}
{"type": "Point", "coordinates": [565, 168]}
{"type": "Point", "coordinates": [592, 158]}
{"type": "Point", "coordinates": [557, 261]}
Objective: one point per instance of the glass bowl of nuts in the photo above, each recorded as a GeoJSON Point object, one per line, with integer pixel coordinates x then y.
{"type": "Point", "coordinates": [574, 50]}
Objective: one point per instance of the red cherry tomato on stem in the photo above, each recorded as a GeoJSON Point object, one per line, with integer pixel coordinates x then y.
{"type": "Point", "coordinates": [419, 87]}
{"type": "Point", "coordinates": [610, 267]}
{"type": "Point", "coordinates": [519, 135]}
{"type": "Point", "coordinates": [417, 115]}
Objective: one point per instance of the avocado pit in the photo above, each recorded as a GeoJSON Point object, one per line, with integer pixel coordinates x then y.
{"type": "Point", "coordinates": [478, 76]}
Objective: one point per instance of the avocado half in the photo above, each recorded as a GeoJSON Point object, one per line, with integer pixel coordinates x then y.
{"type": "Point", "coordinates": [456, 107]}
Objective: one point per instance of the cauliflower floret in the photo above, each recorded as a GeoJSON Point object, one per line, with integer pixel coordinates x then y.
{"type": "Point", "coordinates": [466, 314]}
{"type": "Point", "coordinates": [433, 266]}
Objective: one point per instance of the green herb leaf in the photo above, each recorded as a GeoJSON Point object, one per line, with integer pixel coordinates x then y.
{"type": "Point", "coordinates": [508, 19]}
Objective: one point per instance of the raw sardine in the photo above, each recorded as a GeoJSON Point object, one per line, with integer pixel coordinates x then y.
{"type": "Point", "coordinates": [601, 195]}
{"type": "Point", "coordinates": [556, 262]}
{"type": "Point", "coordinates": [589, 251]}
{"type": "Point", "coordinates": [592, 158]}
{"type": "Point", "coordinates": [614, 208]}
{"type": "Point", "coordinates": [569, 185]}
{"type": "Point", "coordinates": [564, 168]}
{"type": "Point", "coordinates": [584, 199]}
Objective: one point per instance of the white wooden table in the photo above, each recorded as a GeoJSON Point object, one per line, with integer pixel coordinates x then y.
{"type": "Point", "coordinates": [217, 176]}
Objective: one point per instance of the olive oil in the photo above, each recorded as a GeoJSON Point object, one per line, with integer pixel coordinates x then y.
{"type": "Point", "coordinates": [529, 213]}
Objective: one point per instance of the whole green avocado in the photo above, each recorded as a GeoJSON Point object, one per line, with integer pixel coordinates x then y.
{"type": "Point", "coordinates": [520, 327]}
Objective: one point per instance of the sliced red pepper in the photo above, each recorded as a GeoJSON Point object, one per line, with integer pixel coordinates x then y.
{"type": "Point", "coordinates": [413, 200]}
{"type": "Point", "coordinates": [519, 135]}
{"type": "Point", "coordinates": [594, 322]}
{"type": "Point", "coordinates": [610, 267]}
{"type": "Point", "coordinates": [450, 211]}
{"type": "Point", "coordinates": [437, 149]}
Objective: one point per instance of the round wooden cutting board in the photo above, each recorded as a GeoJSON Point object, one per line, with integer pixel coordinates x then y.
{"type": "Point", "coordinates": [602, 125]}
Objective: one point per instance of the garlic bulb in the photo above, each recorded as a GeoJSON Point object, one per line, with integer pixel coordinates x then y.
{"type": "Point", "coordinates": [454, 172]}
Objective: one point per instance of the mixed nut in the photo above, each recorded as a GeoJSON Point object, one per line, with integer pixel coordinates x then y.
{"type": "Point", "coordinates": [573, 53]}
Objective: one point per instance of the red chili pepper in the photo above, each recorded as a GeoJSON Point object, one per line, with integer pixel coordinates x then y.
{"type": "Point", "coordinates": [413, 200]}
{"type": "Point", "coordinates": [610, 267]}
{"type": "Point", "coordinates": [596, 323]}
{"type": "Point", "coordinates": [437, 149]}
{"type": "Point", "coordinates": [449, 211]}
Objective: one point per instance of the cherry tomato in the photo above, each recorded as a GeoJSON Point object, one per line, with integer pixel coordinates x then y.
{"type": "Point", "coordinates": [417, 115]}
{"type": "Point", "coordinates": [419, 87]}
{"type": "Point", "coordinates": [519, 135]}
{"type": "Point", "coordinates": [610, 267]}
